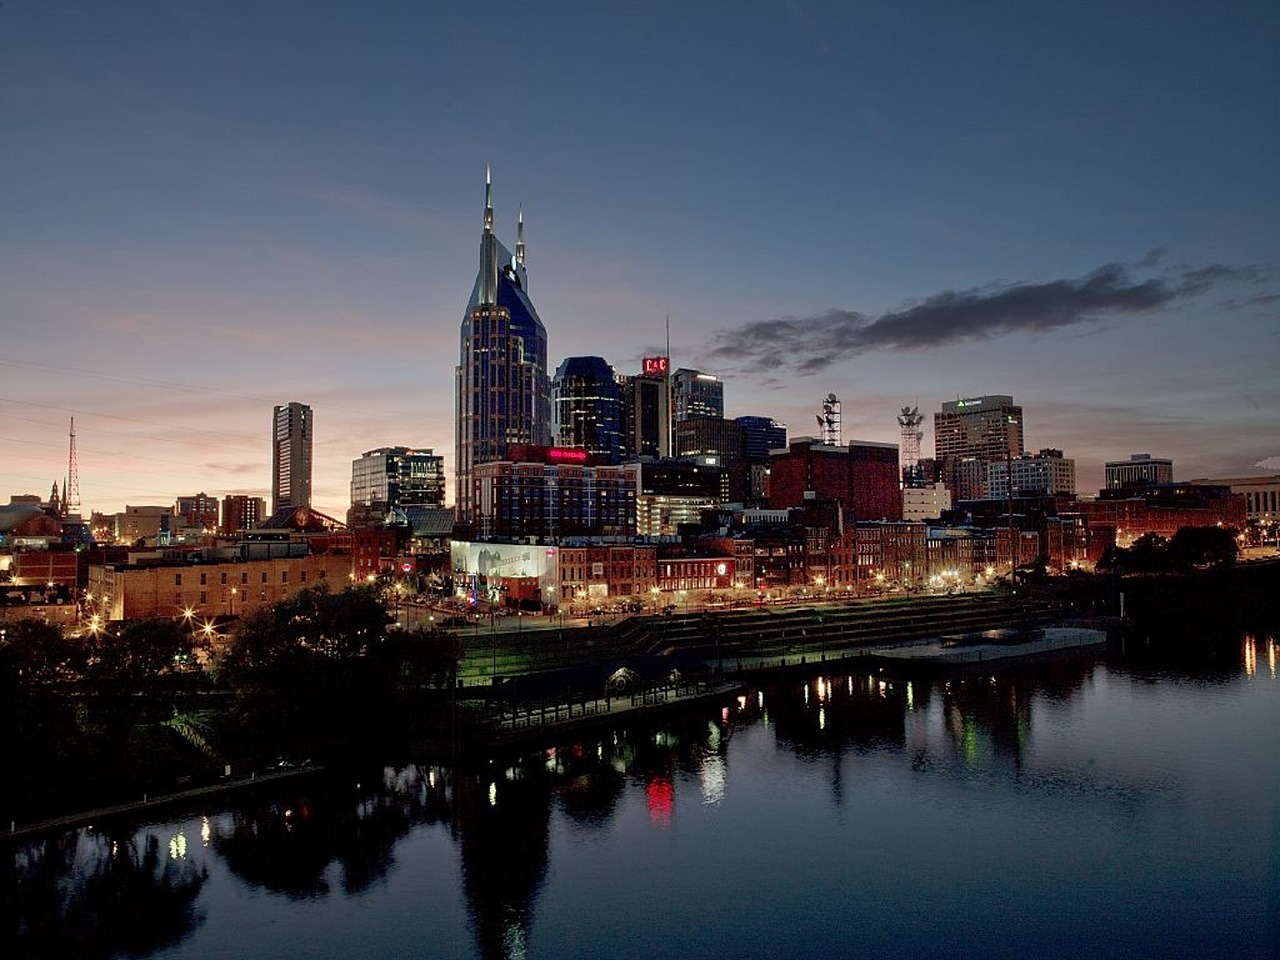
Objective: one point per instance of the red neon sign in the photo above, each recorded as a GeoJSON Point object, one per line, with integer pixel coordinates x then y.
{"type": "Point", "coordinates": [566, 455]}
{"type": "Point", "coordinates": [655, 365]}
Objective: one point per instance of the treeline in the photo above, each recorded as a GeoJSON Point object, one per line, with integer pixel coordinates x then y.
{"type": "Point", "coordinates": [151, 705]}
{"type": "Point", "coordinates": [1191, 548]}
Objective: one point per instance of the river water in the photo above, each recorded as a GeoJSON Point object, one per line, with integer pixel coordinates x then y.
{"type": "Point", "coordinates": [1092, 806]}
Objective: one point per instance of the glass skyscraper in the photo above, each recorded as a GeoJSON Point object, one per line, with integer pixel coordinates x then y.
{"type": "Point", "coordinates": [696, 394]}
{"type": "Point", "coordinates": [503, 394]}
{"type": "Point", "coordinates": [587, 405]}
{"type": "Point", "coordinates": [392, 478]}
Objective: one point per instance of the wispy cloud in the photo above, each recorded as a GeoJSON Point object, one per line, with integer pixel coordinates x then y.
{"type": "Point", "coordinates": [809, 345]}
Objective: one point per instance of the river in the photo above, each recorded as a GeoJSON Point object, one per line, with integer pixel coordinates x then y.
{"type": "Point", "coordinates": [1093, 806]}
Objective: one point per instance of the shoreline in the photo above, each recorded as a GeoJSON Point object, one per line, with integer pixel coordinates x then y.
{"type": "Point", "coordinates": [88, 817]}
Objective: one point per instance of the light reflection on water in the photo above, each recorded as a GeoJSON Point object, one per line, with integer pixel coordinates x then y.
{"type": "Point", "coordinates": [1079, 807]}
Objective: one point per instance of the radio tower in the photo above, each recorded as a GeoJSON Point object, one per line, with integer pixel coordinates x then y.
{"type": "Point", "coordinates": [910, 420]}
{"type": "Point", "coordinates": [829, 420]}
{"type": "Point", "coordinates": [71, 489]}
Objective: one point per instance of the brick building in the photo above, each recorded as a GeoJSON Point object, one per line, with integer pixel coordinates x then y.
{"type": "Point", "coordinates": [862, 476]}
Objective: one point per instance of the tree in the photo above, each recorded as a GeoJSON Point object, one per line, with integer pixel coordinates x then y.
{"type": "Point", "coordinates": [137, 652]}
{"type": "Point", "coordinates": [37, 653]}
{"type": "Point", "coordinates": [300, 633]}
{"type": "Point", "coordinates": [1203, 546]}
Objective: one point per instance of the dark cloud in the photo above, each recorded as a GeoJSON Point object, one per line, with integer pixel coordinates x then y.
{"type": "Point", "coordinates": [809, 345]}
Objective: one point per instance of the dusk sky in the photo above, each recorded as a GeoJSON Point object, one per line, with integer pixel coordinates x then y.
{"type": "Point", "coordinates": [210, 208]}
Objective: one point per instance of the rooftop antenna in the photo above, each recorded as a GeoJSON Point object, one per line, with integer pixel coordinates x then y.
{"type": "Point", "coordinates": [910, 420]}
{"type": "Point", "coordinates": [829, 421]}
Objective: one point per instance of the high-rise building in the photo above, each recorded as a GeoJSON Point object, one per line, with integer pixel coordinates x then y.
{"type": "Point", "coordinates": [712, 441]}
{"type": "Point", "coordinates": [695, 394]}
{"type": "Point", "coordinates": [503, 394]}
{"type": "Point", "coordinates": [198, 510]}
{"type": "Point", "coordinates": [646, 411]}
{"type": "Point", "coordinates": [1047, 472]}
{"type": "Point", "coordinates": [672, 492]}
{"type": "Point", "coordinates": [1140, 470]}
{"type": "Point", "coordinates": [291, 435]}
{"type": "Point", "coordinates": [391, 478]}
{"type": "Point", "coordinates": [970, 433]}
{"type": "Point", "coordinates": [587, 408]}
{"type": "Point", "coordinates": [989, 428]}
{"type": "Point", "coordinates": [240, 512]}
{"type": "Point", "coordinates": [759, 436]}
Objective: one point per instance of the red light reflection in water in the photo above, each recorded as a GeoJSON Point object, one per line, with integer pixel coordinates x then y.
{"type": "Point", "coordinates": [661, 795]}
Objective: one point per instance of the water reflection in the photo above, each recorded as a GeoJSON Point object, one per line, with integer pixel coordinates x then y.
{"type": "Point", "coordinates": [95, 894]}
{"type": "Point", "coordinates": [91, 894]}
{"type": "Point", "coordinates": [287, 844]}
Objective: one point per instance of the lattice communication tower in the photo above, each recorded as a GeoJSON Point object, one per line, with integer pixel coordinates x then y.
{"type": "Point", "coordinates": [829, 420]}
{"type": "Point", "coordinates": [71, 489]}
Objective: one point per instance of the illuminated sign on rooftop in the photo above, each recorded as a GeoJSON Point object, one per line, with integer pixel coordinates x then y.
{"type": "Point", "coordinates": [655, 365]}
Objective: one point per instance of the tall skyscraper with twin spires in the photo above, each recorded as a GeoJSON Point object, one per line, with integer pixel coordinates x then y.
{"type": "Point", "coordinates": [503, 393]}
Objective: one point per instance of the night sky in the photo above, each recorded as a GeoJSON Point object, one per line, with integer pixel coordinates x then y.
{"type": "Point", "coordinates": [210, 208]}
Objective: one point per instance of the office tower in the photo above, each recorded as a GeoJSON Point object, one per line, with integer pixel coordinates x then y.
{"type": "Point", "coordinates": [715, 442]}
{"type": "Point", "coordinates": [695, 394]}
{"type": "Point", "coordinates": [503, 395]}
{"type": "Point", "coordinates": [1141, 469]}
{"type": "Point", "coordinates": [291, 436]}
{"type": "Point", "coordinates": [646, 411]}
{"type": "Point", "coordinates": [970, 433]}
{"type": "Point", "coordinates": [587, 408]}
{"type": "Point", "coordinates": [1047, 472]}
{"type": "Point", "coordinates": [391, 478]}
{"type": "Point", "coordinates": [988, 428]}
{"type": "Point", "coordinates": [669, 493]}
{"type": "Point", "coordinates": [241, 513]}
{"type": "Point", "coordinates": [198, 510]}
{"type": "Point", "coordinates": [759, 436]}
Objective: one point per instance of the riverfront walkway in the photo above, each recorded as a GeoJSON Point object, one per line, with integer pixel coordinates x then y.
{"type": "Point", "coordinates": [741, 639]}
{"type": "Point", "coordinates": [505, 723]}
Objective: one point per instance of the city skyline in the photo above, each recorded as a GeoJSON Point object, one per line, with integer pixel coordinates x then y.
{"type": "Point", "coordinates": [211, 211]}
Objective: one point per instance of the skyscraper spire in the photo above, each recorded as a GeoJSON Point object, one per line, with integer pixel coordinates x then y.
{"type": "Point", "coordinates": [488, 201]}
{"type": "Point", "coordinates": [487, 290]}
{"type": "Point", "coordinates": [520, 237]}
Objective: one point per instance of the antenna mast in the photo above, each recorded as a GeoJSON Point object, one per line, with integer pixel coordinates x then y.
{"type": "Point", "coordinates": [829, 421]}
{"type": "Point", "coordinates": [71, 489]}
